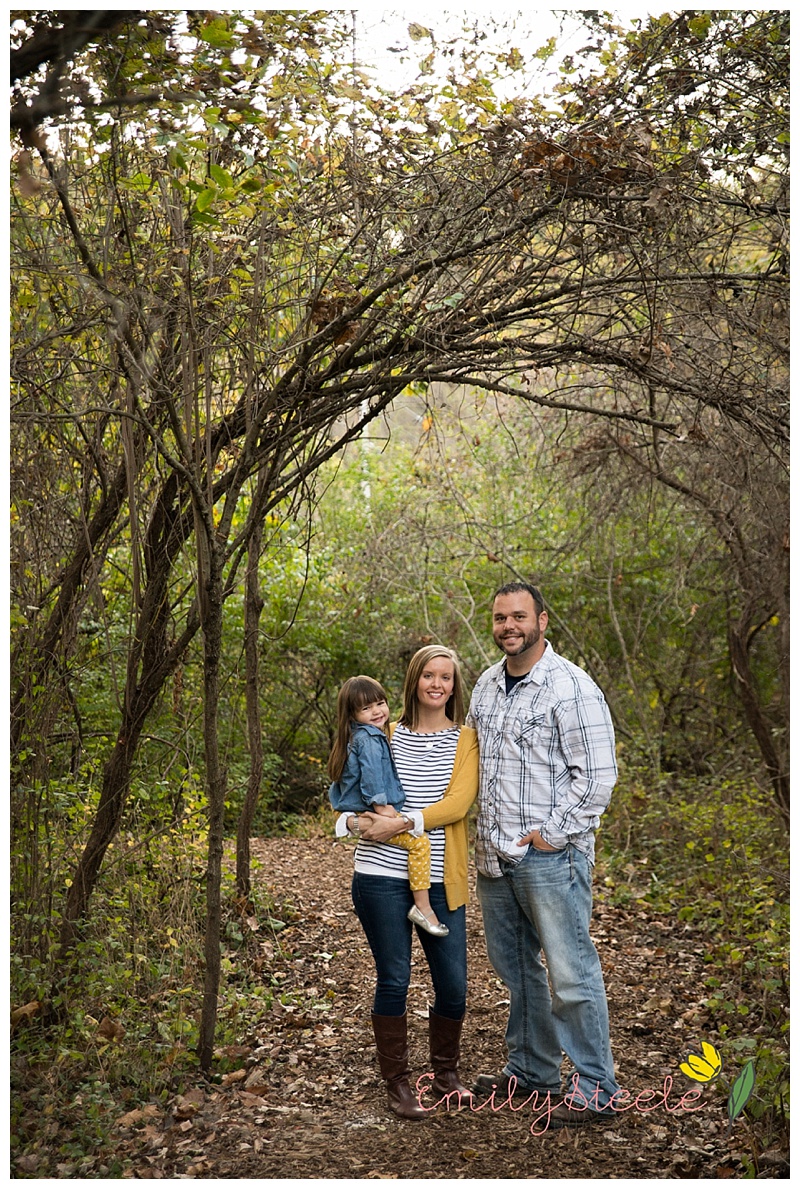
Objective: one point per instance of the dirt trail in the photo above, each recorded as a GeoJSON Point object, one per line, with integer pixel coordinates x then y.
{"type": "Point", "coordinates": [307, 1102]}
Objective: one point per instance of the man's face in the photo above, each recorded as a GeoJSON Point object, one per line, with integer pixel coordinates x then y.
{"type": "Point", "coordinates": [517, 627]}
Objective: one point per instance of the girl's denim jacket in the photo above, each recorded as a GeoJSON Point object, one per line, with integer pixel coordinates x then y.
{"type": "Point", "coordinates": [369, 776]}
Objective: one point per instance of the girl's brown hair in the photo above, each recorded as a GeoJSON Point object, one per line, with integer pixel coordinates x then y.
{"type": "Point", "coordinates": [416, 667]}
{"type": "Point", "coordinates": [355, 694]}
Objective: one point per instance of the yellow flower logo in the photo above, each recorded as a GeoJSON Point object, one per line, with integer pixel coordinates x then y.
{"type": "Point", "coordinates": [703, 1069]}
{"type": "Point", "coordinates": [707, 1069]}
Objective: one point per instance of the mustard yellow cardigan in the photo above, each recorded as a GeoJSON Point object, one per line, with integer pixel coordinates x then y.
{"type": "Point", "coordinates": [451, 812]}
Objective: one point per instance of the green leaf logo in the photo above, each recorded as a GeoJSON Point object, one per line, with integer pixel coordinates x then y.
{"type": "Point", "coordinates": [741, 1091]}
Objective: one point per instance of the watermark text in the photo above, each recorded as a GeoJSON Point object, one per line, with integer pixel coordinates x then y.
{"type": "Point", "coordinates": [542, 1104]}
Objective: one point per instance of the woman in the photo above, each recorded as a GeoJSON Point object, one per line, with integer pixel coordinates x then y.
{"type": "Point", "coordinates": [437, 761]}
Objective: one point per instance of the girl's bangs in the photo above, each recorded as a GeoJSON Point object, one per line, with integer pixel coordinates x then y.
{"type": "Point", "coordinates": [364, 692]}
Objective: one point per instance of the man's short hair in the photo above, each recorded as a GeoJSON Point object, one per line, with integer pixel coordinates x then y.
{"type": "Point", "coordinates": [517, 588]}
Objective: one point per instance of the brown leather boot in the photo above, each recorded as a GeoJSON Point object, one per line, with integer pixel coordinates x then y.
{"type": "Point", "coordinates": [445, 1042]}
{"type": "Point", "coordinates": [391, 1041]}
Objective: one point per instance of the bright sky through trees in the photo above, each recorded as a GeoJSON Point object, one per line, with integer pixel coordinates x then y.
{"type": "Point", "coordinates": [391, 44]}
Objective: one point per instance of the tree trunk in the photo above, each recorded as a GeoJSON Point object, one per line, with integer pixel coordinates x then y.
{"type": "Point", "coordinates": [44, 655]}
{"type": "Point", "coordinates": [738, 644]}
{"type": "Point", "coordinates": [151, 661]}
{"type": "Point", "coordinates": [253, 606]}
{"type": "Point", "coordinates": [215, 787]}
{"type": "Point", "coordinates": [113, 798]}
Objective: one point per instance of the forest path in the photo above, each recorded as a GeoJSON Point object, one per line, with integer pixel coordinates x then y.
{"type": "Point", "coordinates": [307, 1101]}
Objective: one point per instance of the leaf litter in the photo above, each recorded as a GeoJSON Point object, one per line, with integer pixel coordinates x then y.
{"type": "Point", "coordinates": [305, 1100]}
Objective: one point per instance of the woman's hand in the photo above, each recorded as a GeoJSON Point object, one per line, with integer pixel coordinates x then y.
{"type": "Point", "coordinates": [378, 828]}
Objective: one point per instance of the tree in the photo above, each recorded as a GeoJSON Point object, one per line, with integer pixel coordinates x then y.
{"type": "Point", "coordinates": [717, 89]}
{"type": "Point", "coordinates": [253, 606]}
{"type": "Point", "coordinates": [224, 281]}
{"type": "Point", "coordinates": [481, 491]}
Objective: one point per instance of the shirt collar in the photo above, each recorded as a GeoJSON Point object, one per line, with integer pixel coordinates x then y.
{"type": "Point", "coordinates": [535, 675]}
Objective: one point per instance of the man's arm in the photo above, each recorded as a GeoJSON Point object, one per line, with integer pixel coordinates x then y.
{"type": "Point", "coordinates": [586, 736]}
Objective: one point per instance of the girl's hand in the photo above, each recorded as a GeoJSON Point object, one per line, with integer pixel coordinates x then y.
{"type": "Point", "coordinates": [376, 828]}
{"type": "Point", "coordinates": [384, 811]}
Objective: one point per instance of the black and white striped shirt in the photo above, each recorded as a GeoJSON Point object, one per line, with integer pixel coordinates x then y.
{"type": "Point", "coordinates": [425, 765]}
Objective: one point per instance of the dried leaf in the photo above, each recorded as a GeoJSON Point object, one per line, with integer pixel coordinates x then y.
{"type": "Point", "coordinates": [131, 1119]}
{"type": "Point", "coordinates": [237, 1075]}
{"type": "Point", "coordinates": [184, 1108]}
{"type": "Point", "coordinates": [28, 185]}
{"type": "Point", "coordinates": [25, 1013]}
{"type": "Point", "coordinates": [109, 1029]}
{"type": "Point", "coordinates": [257, 1082]}
{"type": "Point", "coordinates": [230, 1051]}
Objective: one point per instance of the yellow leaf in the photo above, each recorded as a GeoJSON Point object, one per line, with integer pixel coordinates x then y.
{"type": "Point", "coordinates": [711, 1055]}
{"type": "Point", "coordinates": [703, 1069]}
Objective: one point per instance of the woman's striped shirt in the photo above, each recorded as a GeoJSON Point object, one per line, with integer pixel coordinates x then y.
{"type": "Point", "coordinates": [424, 765]}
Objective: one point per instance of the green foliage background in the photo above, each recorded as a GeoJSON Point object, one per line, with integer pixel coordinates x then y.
{"type": "Point", "coordinates": [402, 537]}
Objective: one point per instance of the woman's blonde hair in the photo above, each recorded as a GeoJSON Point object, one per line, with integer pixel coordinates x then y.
{"type": "Point", "coordinates": [416, 667]}
{"type": "Point", "coordinates": [355, 694]}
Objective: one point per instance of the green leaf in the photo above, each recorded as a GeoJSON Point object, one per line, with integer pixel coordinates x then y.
{"type": "Point", "coordinates": [700, 26]}
{"type": "Point", "coordinates": [741, 1091]}
{"type": "Point", "coordinates": [217, 33]}
{"type": "Point", "coordinates": [204, 200]}
{"type": "Point", "coordinates": [140, 181]}
{"type": "Point", "coordinates": [221, 176]}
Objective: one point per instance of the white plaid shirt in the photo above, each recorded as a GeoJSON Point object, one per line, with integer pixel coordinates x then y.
{"type": "Point", "coordinates": [547, 759]}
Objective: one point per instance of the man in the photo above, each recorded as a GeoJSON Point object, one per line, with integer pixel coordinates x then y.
{"type": "Point", "coordinates": [547, 770]}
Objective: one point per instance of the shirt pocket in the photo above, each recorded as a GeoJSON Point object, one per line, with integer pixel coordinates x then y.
{"type": "Point", "coordinates": [529, 731]}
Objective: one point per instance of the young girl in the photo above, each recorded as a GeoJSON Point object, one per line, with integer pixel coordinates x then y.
{"type": "Point", "coordinates": [364, 777]}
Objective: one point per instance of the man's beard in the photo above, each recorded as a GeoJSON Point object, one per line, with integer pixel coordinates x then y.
{"type": "Point", "coordinates": [529, 640]}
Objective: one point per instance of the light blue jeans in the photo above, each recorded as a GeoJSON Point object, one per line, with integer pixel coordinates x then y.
{"type": "Point", "coordinates": [544, 902]}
